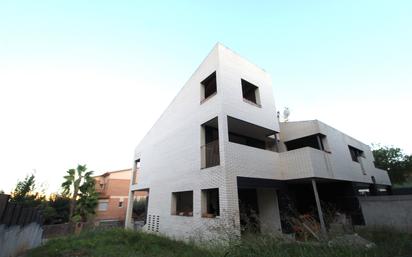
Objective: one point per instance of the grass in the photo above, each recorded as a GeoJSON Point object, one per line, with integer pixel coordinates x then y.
{"type": "Point", "coordinates": [116, 243]}
{"type": "Point", "coordinates": [122, 243]}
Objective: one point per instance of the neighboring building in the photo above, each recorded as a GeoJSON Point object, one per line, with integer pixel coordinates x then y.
{"type": "Point", "coordinates": [113, 189]}
{"type": "Point", "coordinates": [219, 158]}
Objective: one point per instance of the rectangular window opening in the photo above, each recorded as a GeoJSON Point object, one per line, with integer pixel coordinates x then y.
{"type": "Point", "coordinates": [182, 203]}
{"type": "Point", "coordinates": [245, 133]}
{"type": "Point", "coordinates": [317, 141]}
{"type": "Point", "coordinates": [355, 153]}
{"type": "Point", "coordinates": [209, 87]}
{"type": "Point", "coordinates": [210, 144]}
{"type": "Point", "coordinates": [250, 92]}
{"type": "Point", "coordinates": [210, 203]}
{"type": "Point", "coordinates": [136, 171]}
{"type": "Point", "coordinates": [103, 205]}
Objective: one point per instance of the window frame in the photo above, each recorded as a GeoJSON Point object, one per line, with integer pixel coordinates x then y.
{"type": "Point", "coordinates": [355, 153]}
{"type": "Point", "coordinates": [100, 203]}
{"type": "Point", "coordinates": [205, 198]}
{"type": "Point", "coordinates": [204, 84]}
{"type": "Point", "coordinates": [252, 87]}
{"type": "Point", "coordinates": [175, 210]}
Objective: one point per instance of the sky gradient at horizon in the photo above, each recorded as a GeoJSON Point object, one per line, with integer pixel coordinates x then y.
{"type": "Point", "coordinates": [82, 82]}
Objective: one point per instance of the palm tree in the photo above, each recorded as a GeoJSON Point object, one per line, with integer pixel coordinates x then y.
{"type": "Point", "coordinates": [79, 186]}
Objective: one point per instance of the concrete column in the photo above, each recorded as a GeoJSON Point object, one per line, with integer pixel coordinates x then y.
{"type": "Point", "coordinates": [269, 215]}
{"type": "Point", "coordinates": [320, 142]}
{"type": "Point", "coordinates": [129, 211]}
{"type": "Point", "coordinates": [319, 207]}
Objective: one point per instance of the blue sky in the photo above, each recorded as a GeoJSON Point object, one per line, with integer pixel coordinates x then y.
{"type": "Point", "coordinates": [77, 78]}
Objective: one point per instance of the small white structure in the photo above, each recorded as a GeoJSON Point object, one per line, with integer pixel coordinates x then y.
{"type": "Point", "coordinates": [219, 159]}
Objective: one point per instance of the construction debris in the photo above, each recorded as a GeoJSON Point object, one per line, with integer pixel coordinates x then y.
{"type": "Point", "coordinates": [353, 240]}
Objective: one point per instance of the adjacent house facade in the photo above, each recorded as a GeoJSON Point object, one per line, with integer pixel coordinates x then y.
{"type": "Point", "coordinates": [113, 189]}
{"type": "Point", "coordinates": [219, 158]}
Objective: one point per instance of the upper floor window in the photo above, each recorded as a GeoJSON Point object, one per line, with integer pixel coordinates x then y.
{"type": "Point", "coordinates": [103, 205]}
{"type": "Point", "coordinates": [317, 141]}
{"type": "Point", "coordinates": [355, 153]}
{"type": "Point", "coordinates": [209, 87]}
{"type": "Point", "coordinates": [250, 93]}
{"type": "Point", "coordinates": [210, 143]}
{"type": "Point", "coordinates": [136, 171]}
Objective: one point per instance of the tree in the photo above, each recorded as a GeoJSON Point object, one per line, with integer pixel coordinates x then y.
{"type": "Point", "coordinates": [393, 160]}
{"type": "Point", "coordinates": [139, 208]}
{"type": "Point", "coordinates": [57, 209]}
{"type": "Point", "coordinates": [79, 186]}
{"type": "Point", "coordinates": [24, 192]}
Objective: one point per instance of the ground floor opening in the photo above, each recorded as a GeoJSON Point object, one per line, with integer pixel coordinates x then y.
{"type": "Point", "coordinates": [306, 206]}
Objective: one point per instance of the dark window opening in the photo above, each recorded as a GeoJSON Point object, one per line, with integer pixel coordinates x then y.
{"type": "Point", "coordinates": [314, 141]}
{"type": "Point", "coordinates": [245, 133]}
{"type": "Point", "coordinates": [355, 153]}
{"type": "Point", "coordinates": [210, 203]}
{"type": "Point", "coordinates": [136, 171]}
{"type": "Point", "coordinates": [210, 144]}
{"type": "Point", "coordinates": [250, 92]}
{"type": "Point", "coordinates": [245, 140]}
{"type": "Point", "coordinates": [209, 86]}
{"type": "Point", "coordinates": [182, 203]}
{"type": "Point", "coordinates": [121, 204]}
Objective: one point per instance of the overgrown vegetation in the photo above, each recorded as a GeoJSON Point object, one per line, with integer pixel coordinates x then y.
{"type": "Point", "coordinates": [118, 242]}
{"type": "Point", "coordinates": [78, 200]}
{"type": "Point", "coordinates": [54, 208]}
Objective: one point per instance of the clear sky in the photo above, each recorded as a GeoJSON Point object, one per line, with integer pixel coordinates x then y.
{"type": "Point", "coordinates": [83, 81]}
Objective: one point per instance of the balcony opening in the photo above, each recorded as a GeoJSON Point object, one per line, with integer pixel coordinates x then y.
{"type": "Point", "coordinates": [245, 133]}
{"type": "Point", "coordinates": [136, 171]}
{"type": "Point", "coordinates": [210, 144]}
{"type": "Point", "coordinates": [355, 153]}
{"type": "Point", "coordinates": [250, 93]}
{"type": "Point", "coordinates": [317, 141]}
{"type": "Point", "coordinates": [182, 203]}
{"type": "Point", "coordinates": [208, 87]}
{"type": "Point", "coordinates": [210, 203]}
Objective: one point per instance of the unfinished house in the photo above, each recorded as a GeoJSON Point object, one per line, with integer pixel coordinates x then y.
{"type": "Point", "coordinates": [219, 158]}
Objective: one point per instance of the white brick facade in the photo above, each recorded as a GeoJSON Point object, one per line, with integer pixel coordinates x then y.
{"type": "Point", "coordinates": [170, 153]}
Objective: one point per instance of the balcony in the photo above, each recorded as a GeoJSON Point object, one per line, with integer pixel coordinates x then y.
{"type": "Point", "coordinates": [252, 135]}
{"type": "Point", "coordinates": [306, 162]}
{"type": "Point", "coordinates": [210, 154]}
{"type": "Point", "coordinates": [246, 161]}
